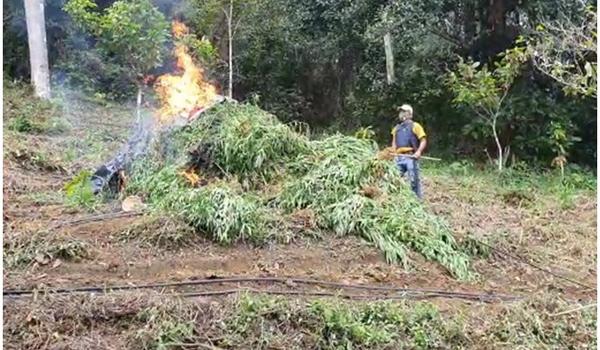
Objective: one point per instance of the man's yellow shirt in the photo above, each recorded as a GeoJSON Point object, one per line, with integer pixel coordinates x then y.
{"type": "Point", "coordinates": [419, 133]}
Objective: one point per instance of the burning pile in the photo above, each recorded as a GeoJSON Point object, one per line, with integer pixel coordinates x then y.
{"type": "Point", "coordinates": [183, 97]}
{"type": "Point", "coordinates": [259, 173]}
{"type": "Point", "coordinates": [238, 173]}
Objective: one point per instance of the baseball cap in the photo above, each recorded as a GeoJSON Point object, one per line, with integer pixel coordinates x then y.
{"type": "Point", "coordinates": [406, 108]}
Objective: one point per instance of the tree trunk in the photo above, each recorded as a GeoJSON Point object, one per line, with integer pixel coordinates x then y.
{"type": "Point", "coordinates": [389, 53]}
{"type": "Point", "coordinates": [498, 145]}
{"type": "Point", "coordinates": [389, 57]}
{"type": "Point", "coordinates": [139, 104]}
{"type": "Point", "coordinates": [38, 51]}
{"type": "Point", "coordinates": [229, 29]}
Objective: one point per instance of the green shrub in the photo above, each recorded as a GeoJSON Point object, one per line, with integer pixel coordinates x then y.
{"type": "Point", "coordinates": [79, 191]}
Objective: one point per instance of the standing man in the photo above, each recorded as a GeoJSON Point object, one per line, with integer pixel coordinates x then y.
{"type": "Point", "coordinates": [409, 141]}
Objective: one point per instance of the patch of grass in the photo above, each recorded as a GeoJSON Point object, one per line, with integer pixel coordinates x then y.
{"type": "Point", "coordinates": [377, 325]}
{"type": "Point", "coordinates": [542, 323]}
{"type": "Point", "coordinates": [25, 249]}
{"type": "Point", "coordinates": [166, 232]}
{"type": "Point", "coordinates": [166, 326]}
{"type": "Point", "coordinates": [45, 198]}
{"type": "Point", "coordinates": [476, 246]}
{"type": "Point", "coordinates": [70, 155]}
{"type": "Point", "coordinates": [515, 186]}
{"type": "Point", "coordinates": [25, 113]}
{"type": "Point", "coordinates": [30, 156]}
{"type": "Point", "coordinates": [135, 320]}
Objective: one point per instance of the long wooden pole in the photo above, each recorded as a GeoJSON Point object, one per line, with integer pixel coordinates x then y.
{"type": "Point", "coordinates": [38, 52]}
{"type": "Point", "coordinates": [229, 19]}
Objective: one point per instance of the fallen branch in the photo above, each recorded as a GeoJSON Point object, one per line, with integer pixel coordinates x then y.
{"type": "Point", "coordinates": [573, 310]}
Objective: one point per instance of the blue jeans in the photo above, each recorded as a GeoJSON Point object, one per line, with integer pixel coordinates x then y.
{"type": "Point", "coordinates": [410, 167]}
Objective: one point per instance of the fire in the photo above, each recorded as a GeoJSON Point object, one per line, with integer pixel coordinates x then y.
{"type": "Point", "coordinates": [191, 177]}
{"type": "Point", "coordinates": [179, 29]}
{"type": "Point", "coordinates": [183, 94]}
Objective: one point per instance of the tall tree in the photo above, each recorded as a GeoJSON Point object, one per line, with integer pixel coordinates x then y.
{"type": "Point", "coordinates": [389, 51]}
{"type": "Point", "coordinates": [229, 14]}
{"type": "Point", "coordinates": [38, 51]}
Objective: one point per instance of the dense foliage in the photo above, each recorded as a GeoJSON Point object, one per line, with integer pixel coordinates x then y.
{"type": "Point", "coordinates": [323, 62]}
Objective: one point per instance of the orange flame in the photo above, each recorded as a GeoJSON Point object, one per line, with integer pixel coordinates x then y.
{"type": "Point", "coordinates": [191, 177]}
{"type": "Point", "coordinates": [179, 29]}
{"type": "Point", "coordinates": [180, 95]}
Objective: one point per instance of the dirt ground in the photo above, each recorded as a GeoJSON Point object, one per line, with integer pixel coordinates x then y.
{"type": "Point", "coordinates": [561, 240]}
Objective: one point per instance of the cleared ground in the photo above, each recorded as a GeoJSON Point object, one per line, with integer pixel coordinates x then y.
{"type": "Point", "coordinates": [547, 223]}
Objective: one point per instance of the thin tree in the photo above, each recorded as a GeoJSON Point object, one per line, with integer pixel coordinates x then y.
{"type": "Point", "coordinates": [485, 90]}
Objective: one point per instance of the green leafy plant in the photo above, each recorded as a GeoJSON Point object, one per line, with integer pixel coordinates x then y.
{"type": "Point", "coordinates": [26, 113]}
{"type": "Point", "coordinates": [365, 133]}
{"type": "Point", "coordinates": [561, 141]}
{"type": "Point", "coordinates": [79, 192]}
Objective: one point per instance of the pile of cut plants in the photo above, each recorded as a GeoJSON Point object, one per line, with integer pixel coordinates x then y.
{"type": "Point", "coordinates": [238, 174]}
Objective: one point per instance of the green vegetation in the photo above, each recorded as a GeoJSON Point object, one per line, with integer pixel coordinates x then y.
{"type": "Point", "coordinates": [145, 321]}
{"type": "Point", "coordinates": [25, 113]}
{"type": "Point", "coordinates": [30, 156]}
{"type": "Point", "coordinates": [519, 185]}
{"type": "Point", "coordinates": [485, 91]}
{"type": "Point", "coordinates": [79, 192]}
{"type": "Point", "coordinates": [338, 178]}
{"type": "Point", "coordinates": [130, 33]}
{"type": "Point", "coordinates": [323, 63]}
{"type": "Point", "coordinates": [510, 81]}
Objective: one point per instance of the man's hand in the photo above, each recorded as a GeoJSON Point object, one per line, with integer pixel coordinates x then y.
{"type": "Point", "coordinates": [419, 151]}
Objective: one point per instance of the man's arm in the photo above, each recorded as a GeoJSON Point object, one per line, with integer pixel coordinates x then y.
{"type": "Point", "coordinates": [420, 133]}
{"type": "Point", "coordinates": [422, 145]}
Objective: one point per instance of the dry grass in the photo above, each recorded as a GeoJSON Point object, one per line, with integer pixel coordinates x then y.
{"type": "Point", "coordinates": [152, 321]}
{"type": "Point", "coordinates": [42, 248]}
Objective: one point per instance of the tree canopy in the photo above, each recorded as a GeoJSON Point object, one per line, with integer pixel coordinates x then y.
{"type": "Point", "coordinates": [323, 62]}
